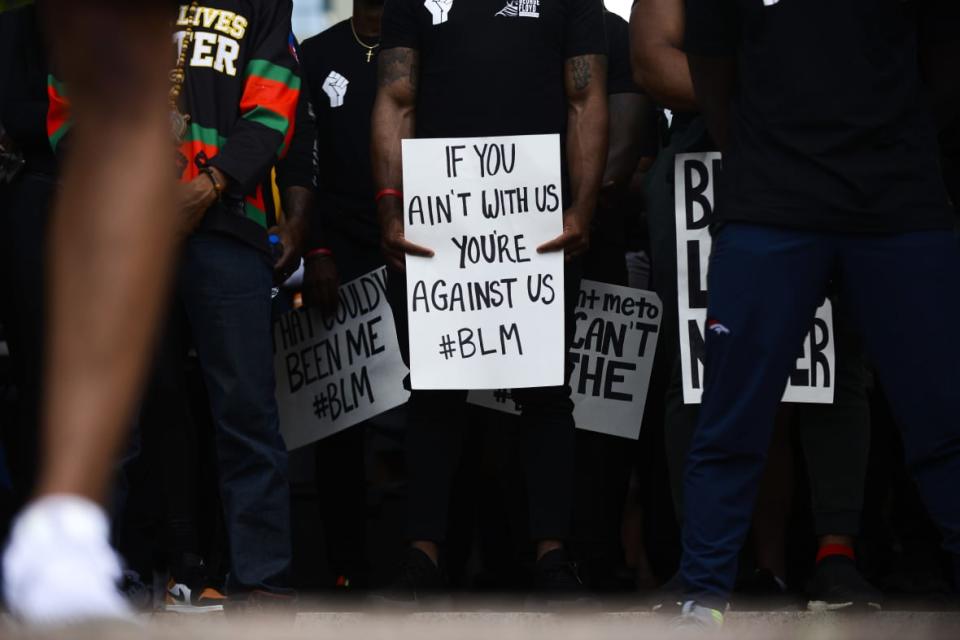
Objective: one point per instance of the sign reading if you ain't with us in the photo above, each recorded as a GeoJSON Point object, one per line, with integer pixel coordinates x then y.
{"type": "Point", "coordinates": [486, 311]}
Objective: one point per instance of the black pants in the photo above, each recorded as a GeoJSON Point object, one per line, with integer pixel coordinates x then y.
{"type": "Point", "coordinates": [435, 439]}
{"type": "Point", "coordinates": [340, 459]}
{"type": "Point", "coordinates": [836, 438]}
{"type": "Point", "coordinates": [171, 503]}
{"type": "Point", "coordinates": [604, 462]}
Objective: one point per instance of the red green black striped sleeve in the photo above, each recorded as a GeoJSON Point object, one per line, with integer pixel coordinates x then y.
{"type": "Point", "coordinates": [58, 112]}
{"type": "Point", "coordinates": [269, 103]}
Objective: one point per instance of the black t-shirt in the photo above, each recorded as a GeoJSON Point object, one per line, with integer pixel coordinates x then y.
{"type": "Point", "coordinates": [610, 224]}
{"type": "Point", "coordinates": [829, 127]}
{"type": "Point", "coordinates": [493, 67]}
{"type": "Point", "coordinates": [342, 87]}
{"type": "Point", "coordinates": [619, 71]}
{"type": "Point", "coordinates": [950, 147]}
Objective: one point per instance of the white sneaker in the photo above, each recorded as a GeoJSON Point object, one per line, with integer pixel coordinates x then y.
{"type": "Point", "coordinates": [58, 567]}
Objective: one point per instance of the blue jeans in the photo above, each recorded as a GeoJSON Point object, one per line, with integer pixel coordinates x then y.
{"type": "Point", "coordinates": [765, 284]}
{"type": "Point", "coordinates": [224, 288]}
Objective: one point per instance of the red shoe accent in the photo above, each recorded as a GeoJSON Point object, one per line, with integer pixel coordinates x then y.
{"type": "Point", "coordinates": [828, 550]}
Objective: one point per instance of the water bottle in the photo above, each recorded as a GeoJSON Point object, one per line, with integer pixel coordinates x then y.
{"type": "Point", "coordinates": [276, 252]}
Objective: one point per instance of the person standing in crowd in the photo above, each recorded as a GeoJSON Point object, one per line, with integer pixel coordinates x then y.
{"type": "Point", "coordinates": [835, 437]}
{"type": "Point", "coordinates": [458, 70]}
{"type": "Point", "coordinates": [340, 69]}
{"type": "Point", "coordinates": [603, 461]}
{"type": "Point", "coordinates": [234, 98]}
{"type": "Point", "coordinates": [169, 506]}
{"type": "Point", "coordinates": [112, 241]}
{"type": "Point", "coordinates": [830, 171]}
{"type": "Point", "coordinates": [240, 87]}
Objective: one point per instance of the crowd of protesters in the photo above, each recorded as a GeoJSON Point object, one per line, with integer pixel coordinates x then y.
{"type": "Point", "coordinates": [839, 127]}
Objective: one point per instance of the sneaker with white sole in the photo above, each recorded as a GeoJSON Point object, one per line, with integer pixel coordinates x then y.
{"type": "Point", "coordinates": [182, 599]}
{"type": "Point", "coordinates": [837, 585]}
{"type": "Point", "coordinates": [698, 617]}
{"type": "Point", "coordinates": [59, 568]}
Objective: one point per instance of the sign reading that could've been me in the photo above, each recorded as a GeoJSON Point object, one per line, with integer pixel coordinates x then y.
{"type": "Point", "coordinates": [486, 311]}
{"type": "Point", "coordinates": [812, 380]}
{"type": "Point", "coordinates": [335, 372]}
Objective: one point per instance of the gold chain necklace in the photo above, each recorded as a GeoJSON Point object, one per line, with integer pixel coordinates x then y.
{"type": "Point", "coordinates": [369, 47]}
{"type": "Point", "coordinates": [178, 119]}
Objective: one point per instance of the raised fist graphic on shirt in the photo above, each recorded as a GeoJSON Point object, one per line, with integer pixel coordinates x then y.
{"type": "Point", "coordinates": [439, 9]}
{"type": "Point", "coordinates": [335, 86]}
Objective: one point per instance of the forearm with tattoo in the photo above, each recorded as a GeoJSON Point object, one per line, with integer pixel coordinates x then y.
{"type": "Point", "coordinates": [396, 65]}
{"type": "Point", "coordinates": [587, 129]}
{"type": "Point", "coordinates": [393, 114]}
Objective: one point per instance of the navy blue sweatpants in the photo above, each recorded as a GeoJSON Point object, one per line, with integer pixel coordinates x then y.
{"type": "Point", "coordinates": [765, 284]}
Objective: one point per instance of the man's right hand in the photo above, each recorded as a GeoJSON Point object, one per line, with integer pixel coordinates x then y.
{"type": "Point", "coordinates": [195, 197]}
{"type": "Point", "coordinates": [320, 284]}
{"type": "Point", "coordinates": [395, 245]}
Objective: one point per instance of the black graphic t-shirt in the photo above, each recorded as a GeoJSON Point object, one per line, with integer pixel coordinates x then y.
{"type": "Point", "coordinates": [493, 67]}
{"type": "Point", "coordinates": [342, 87]}
{"type": "Point", "coordinates": [830, 129]}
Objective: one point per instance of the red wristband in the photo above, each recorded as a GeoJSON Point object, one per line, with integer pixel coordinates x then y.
{"type": "Point", "coordinates": [383, 193]}
{"type": "Point", "coordinates": [835, 550]}
{"type": "Point", "coordinates": [313, 253]}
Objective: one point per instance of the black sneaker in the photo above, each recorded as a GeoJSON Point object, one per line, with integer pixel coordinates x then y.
{"type": "Point", "coordinates": [418, 580]}
{"type": "Point", "coordinates": [668, 597]}
{"type": "Point", "coordinates": [138, 593]}
{"type": "Point", "coordinates": [838, 586]}
{"type": "Point", "coordinates": [762, 584]}
{"type": "Point", "coordinates": [764, 591]}
{"type": "Point", "coordinates": [557, 579]}
{"type": "Point", "coordinates": [259, 602]}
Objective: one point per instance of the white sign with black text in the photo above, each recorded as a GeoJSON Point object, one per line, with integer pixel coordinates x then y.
{"type": "Point", "coordinates": [613, 351]}
{"type": "Point", "coordinates": [813, 378]}
{"type": "Point", "coordinates": [335, 372]}
{"type": "Point", "coordinates": [486, 311]}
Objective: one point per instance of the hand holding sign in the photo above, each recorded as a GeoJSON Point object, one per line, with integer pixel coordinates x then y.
{"type": "Point", "coordinates": [338, 370]}
{"type": "Point", "coordinates": [575, 239]}
{"type": "Point", "coordinates": [393, 242]}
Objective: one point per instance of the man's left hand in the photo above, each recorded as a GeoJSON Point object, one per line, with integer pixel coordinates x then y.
{"type": "Point", "coordinates": [575, 239]}
{"type": "Point", "coordinates": [292, 235]}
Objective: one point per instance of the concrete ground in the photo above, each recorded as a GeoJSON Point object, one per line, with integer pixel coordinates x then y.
{"type": "Point", "coordinates": [507, 626]}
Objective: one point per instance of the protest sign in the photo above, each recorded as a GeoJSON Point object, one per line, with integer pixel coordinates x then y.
{"type": "Point", "coordinates": [812, 380]}
{"type": "Point", "coordinates": [486, 311]}
{"type": "Point", "coordinates": [334, 372]}
{"type": "Point", "coordinates": [613, 350]}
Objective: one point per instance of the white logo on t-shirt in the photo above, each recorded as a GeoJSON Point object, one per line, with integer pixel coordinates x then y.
{"type": "Point", "coordinates": [770, 3]}
{"type": "Point", "coordinates": [439, 10]}
{"type": "Point", "coordinates": [335, 86]}
{"type": "Point", "coordinates": [521, 9]}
